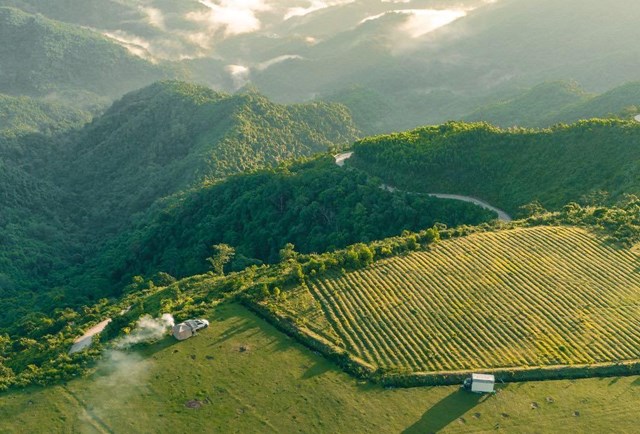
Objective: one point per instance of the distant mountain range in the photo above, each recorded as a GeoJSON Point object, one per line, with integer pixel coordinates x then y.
{"type": "Point", "coordinates": [552, 103]}
{"type": "Point", "coordinates": [429, 61]}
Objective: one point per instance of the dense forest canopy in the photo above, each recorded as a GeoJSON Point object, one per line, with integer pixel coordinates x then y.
{"type": "Point", "coordinates": [68, 191]}
{"type": "Point", "coordinates": [560, 102]}
{"type": "Point", "coordinates": [588, 161]}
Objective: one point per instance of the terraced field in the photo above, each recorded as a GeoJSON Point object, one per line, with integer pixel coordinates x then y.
{"type": "Point", "coordinates": [521, 297]}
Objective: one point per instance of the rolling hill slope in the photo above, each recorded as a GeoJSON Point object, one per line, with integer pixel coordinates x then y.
{"type": "Point", "coordinates": [172, 135]}
{"type": "Point", "coordinates": [41, 57]}
{"type": "Point", "coordinates": [515, 298]}
{"type": "Point", "coordinates": [315, 205]}
{"type": "Point", "coordinates": [66, 195]}
{"type": "Point", "coordinates": [148, 390]}
{"type": "Point", "coordinates": [510, 168]}
{"type": "Point", "coordinates": [20, 115]}
{"type": "Point", "coordinates": [551, 103]}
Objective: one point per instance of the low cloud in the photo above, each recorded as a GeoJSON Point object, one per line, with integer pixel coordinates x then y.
{"type": "Point", "coordinates": [232, 17]}
{"type": "Point", "coordinates": [275, 60]}
{"type": "Point", "coordinates": [419, 22]}
{"type": "Point", "coordinates": [314, 5]}
{"type": "Point", "coordinates": [239, 74]}
{"type": "Point", "coordinates": [154, 17]}
{"type": "Point", "coordinates": [134, 44]}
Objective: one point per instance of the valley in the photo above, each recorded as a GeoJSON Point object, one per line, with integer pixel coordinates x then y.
{"type": "Point", "coordinates": [319, 216]}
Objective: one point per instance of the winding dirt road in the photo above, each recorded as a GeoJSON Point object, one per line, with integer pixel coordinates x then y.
{"type": "Point", "coordinates": [85, 340]}
{"type": "Point", "coordinates": [503, 216]}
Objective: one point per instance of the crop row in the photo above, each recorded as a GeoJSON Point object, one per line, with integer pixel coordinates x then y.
{"type": "Point", "coordinates": [524, 297]}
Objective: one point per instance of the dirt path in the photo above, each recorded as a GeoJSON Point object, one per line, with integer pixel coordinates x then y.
{"type": "Point", "coordinates": [85, 340]}
{"type": "Point", "coordinates": [87, 415]}
{"type": "Point", "coordinates": [501, 214]}
{"type": "Point", "coordinates": [341, 158]}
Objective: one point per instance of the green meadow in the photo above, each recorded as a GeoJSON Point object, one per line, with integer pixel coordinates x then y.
{"type": "Point", "coordinates": [241, 375]}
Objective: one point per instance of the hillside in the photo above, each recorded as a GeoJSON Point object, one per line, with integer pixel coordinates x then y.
{"type": "Point", "coordinates": [42, 57]}
{"type": "Point", "coordinates": [172, 135]}
{"type": "Point", "coordinates": [539, 106]}
{"type": "Point", "coordinates": [67, 194]}
{"type": "Point", "coordinates": [553, 166]}
{"type": "Point", "coordinates": [478, 59]}
{"type": "Point", "coordinates": [20, 115]}
{"type": "Point", "coordinates": [315, 205]}
{"type": "Point", "coordinates": [428, 61]}
{"type": "Point", "coordinates": [516, 298]}
{"type": "Point", "coordinates": [622, 101]}
{"type": "Point", "coordinates": [148, 389]}
{"type": "Point", "coordinates": [560, 102]}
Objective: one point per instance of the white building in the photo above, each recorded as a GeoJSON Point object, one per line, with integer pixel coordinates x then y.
{"type": "Point", "coordinates": [480, 383]}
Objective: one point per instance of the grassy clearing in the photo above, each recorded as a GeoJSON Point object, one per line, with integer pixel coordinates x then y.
{"type": "Point", "coordinates": [278, 386]}
{"type": "Point", "coordinates": [525, 297]}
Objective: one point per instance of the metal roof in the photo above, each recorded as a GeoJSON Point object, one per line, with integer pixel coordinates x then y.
{"type": "Point", "coordinates": [483, 378]}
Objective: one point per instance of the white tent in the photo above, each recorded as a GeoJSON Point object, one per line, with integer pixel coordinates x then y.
{"type": "Point", "coordinates": [183, 331]}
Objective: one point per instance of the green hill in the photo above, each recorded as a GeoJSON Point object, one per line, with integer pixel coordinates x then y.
{"type": "Point", "coordinates": [173, 135]}
{"type": "Point", "coordinates": [19, 115]}
{"type": "Point", "coordinates": [510, 168]}
{"type": "Point", "coordinates": [622, 101]}
{"type": "Point", "coordinates": [67, 194]}
{"type": "Point", "coordinates": [539, 106]}
{"type": "Point", "coordinates": [41, 57]}
{"type": "Point", "coordinates": [315, 205]}
{"type": "Point", "coordinates": [559, 102]}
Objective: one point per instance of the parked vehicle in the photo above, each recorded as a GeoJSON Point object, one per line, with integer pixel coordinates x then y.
{"type": "Point", "coordinates": [188, 328]}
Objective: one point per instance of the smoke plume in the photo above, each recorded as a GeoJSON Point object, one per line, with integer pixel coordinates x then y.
{"type": "Point", "coordinates": [147, 329]}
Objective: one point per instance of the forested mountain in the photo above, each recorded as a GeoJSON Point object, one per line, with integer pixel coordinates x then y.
{"type": "Point", "coordinates": [37, 238]}
{"type": "Point", "coordinates": [539, 106]}
{"type": "Point", "coordinates": [622, 101]}
{"type": "Point", "coordinates": [551, 103]}
{"type": "Point", "coordinates": [65, 194]}
{"type": "Point", "coordinates": [41, 57]}
{"type": "Point", "coordinates": [315, 205]}
{"type": "Point", "coordinates": [590, 161]}
{"type": "Point", "coordinates": [428, 61]}
{"type": "Point", "coordinates": [171, 135]}
{"type": "Point", "coordinates": [19, 115]}
{"type": "Point", "coordinates": [480, 58]}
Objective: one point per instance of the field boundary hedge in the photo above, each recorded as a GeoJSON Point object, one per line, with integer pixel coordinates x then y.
{"type": "Point", "coordinates": [360, 369]}
{"type": "Point", "coordinates": [340, 356]}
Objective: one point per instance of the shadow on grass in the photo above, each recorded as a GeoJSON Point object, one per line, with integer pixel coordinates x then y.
{"type": "Point", "coordinates": [147, 349]}
{"type": "Point", "coordinates": [235, 330]}
{"type": "Point", "coordinates": [636, 382]}
{"type": "Point", "coordinates": [318, 368]}
{"type": "Point", "coordinates": [444, 412]}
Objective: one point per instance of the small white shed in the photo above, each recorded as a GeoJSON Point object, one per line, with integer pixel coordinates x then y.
{"type": "Point", "coordinates": [480, 383]}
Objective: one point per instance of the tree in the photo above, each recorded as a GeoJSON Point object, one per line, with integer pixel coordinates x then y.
{"type": "Point", "coordinates": [223, 253]}
{"type": "Point", "coordinates": [288, 252]}
{"type": "Point", "coordinates": [533, 208]}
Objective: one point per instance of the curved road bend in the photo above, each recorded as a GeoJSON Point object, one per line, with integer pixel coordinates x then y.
{"type": "Point", "coordinates": [341, 158]}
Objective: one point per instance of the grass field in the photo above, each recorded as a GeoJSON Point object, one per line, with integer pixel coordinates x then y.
{"type": "Point", "coordinates": [523, 297]}
{"type": "Point", "coordinates": [276, 385]}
